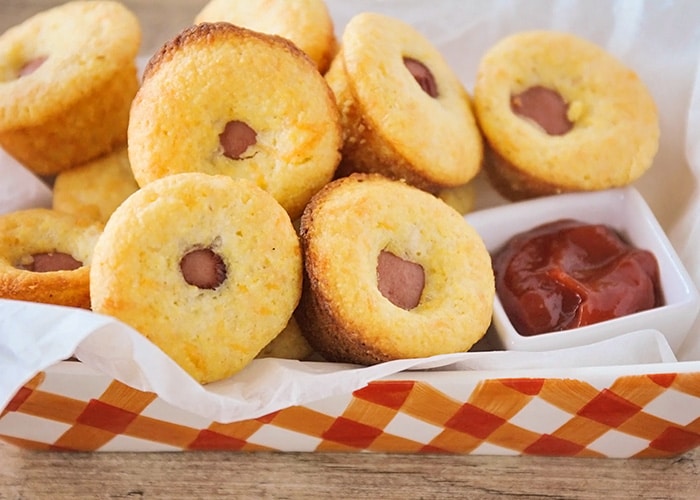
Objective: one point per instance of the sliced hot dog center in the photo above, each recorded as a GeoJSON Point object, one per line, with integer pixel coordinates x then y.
{"type": "Point", "coordinates": [203, 268]}
{"type": "Point", "coordinates": [31, 66]}
{"type": "Point", "coordinates": [400, 281]}
{"type": "Point", "coordinates": [423, 76]}
{"type": "Point", "coordinates": [49, 261]}
{"type": "Point", "coordinates": [546, 107]}
{"type": "Point", "coordinates": [236, 138]}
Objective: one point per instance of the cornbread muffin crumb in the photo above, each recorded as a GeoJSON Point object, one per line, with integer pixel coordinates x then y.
{"type": "Point", "coordinates": [462, 198]}
{"type": "Point", "coordinates": [561, 114]}
{"type": "Point", "coordinates": [207, 267]}
{"type": "Point", "coordinates": [405, 114]}
{"type": "Point", "coordinates": [45, 256]}
{"type": "Point", "coordinates": [306, 23]}
{"type": "Point", "coordinates": [67, 79]}
{"type": "Point", "coordinates": [289, 344]}
{"type": "Point", "coordinates": [96, 188]}
{"type": "Point", "coordinates": [221, 99]}
{"type": "Point", "coordinates": [391, 272]}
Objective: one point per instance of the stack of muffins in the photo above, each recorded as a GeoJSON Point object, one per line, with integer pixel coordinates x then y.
{"type": "Point", "coordinates": [267, 189]}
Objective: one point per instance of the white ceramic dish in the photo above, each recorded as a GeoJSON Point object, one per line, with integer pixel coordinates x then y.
{"type": "Point", "coordinates": [626, 211]}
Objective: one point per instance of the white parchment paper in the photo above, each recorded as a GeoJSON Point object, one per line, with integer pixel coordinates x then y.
{"type": "Point", "coordinates": [660, 40]}
{"type": "Point", "coordinates": [37, 335]}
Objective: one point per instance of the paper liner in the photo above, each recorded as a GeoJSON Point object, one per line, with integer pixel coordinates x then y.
{"type": "Point", "coordinates": [34, 337]}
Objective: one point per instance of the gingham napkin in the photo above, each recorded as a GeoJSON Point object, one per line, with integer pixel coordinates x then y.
{"type": "Point", "coordinates": [36, 336]}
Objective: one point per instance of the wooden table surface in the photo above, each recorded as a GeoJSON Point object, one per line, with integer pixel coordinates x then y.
{"type": "Point", "coordinates": [39, 475]}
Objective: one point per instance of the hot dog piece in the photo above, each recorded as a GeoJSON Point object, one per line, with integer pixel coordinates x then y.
{"type": "Point", "coordinates": [401, 281]}
{"type": "Point", "coordinates": [51, 261]}
{"type": "Point", "coordinates": [545, 107]}
{"type": "Point", "coordinates": [423, 76]}
{"type": "Point", "coordinates": [31, 66]}
{"type": "Point", "coordinates": [203, 268]}
{"type": "Point", "coordinates": [236, 138]}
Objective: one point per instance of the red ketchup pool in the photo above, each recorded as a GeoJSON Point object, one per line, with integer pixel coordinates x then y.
{"type": "Point", "coordinates": [567, 273]}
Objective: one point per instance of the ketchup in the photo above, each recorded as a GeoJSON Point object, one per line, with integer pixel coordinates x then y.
{"type": "Point", "coordinates": [566, 274]}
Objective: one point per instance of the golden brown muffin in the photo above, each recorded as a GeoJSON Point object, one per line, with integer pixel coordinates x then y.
{"type": "Point", "coordinates": [45, 256]}
{"type": "Point", "coordinates": [405, 114]}
{"type": "Point", "coordinates": [289, 344]}
{"type": "Point", "coordinates": [221, 99]}
{"type": "Point", "coordinates": [391, 272]}
{"type": "Point", "coordinates": [462, 198]}
{"type": "Point", "coordinates": [561, 114]}
{"type": "Point", "coordinates": [306, 23]}
{"type": "Point", "coordinates": [67, 78]}
{"type": "Point", "coordinates": [96, 188]}
{"type": "Point", "coordinates": [207, 267]}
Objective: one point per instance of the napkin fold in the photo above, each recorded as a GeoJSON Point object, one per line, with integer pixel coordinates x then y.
{"type": "Point", "coordinates": [33, 337]}
{"type": "Point", "coordinates": [19, 188]}
{"type": "Point", "coordinates": [36, 336]}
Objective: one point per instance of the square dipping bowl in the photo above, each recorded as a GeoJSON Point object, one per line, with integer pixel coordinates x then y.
{"type": "Point", "coordinates": [624, 210]}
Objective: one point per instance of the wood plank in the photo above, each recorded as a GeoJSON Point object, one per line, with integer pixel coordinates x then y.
{"type": "Point", "coordinates": [48, 475]}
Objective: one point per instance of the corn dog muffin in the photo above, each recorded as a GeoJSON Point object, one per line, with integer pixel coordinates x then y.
{"type": "Point", "coordinates": [560, 114]}
{"type": "Point", "coordinates": [67, 78]}
{"type": "Point", "coordinates": [405, 114]}
{"type": "Point", "coordinates": [306, 23]}
{"type": "Point", "coordinates": [462, 198]}
{"type": "Point", "coordinates": [391, 272]}
{"type": "Point", "coordinates": [45, 256]}
{"type": "Point", "coordinates": [207, 267]}
{"type": "Point", "coordinates": [289, 344]}
{"type": "Point", "coordinates": [221, 99]}
{"type": "Point", "coordinates": [96, 188]}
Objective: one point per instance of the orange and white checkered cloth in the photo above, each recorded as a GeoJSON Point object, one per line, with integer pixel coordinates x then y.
{"type": "Point", "coordinates": [649, 415]}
